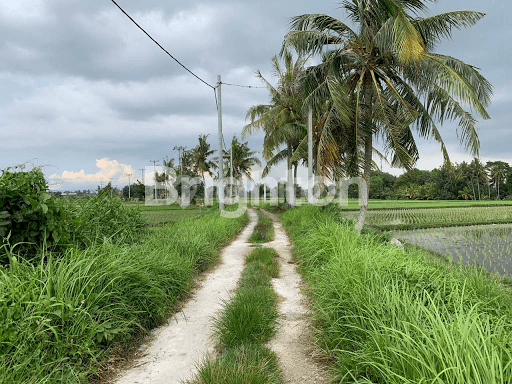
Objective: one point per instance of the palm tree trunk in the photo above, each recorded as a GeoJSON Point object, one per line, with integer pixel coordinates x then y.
{"type": "Point", "coordinates": [295, 166]}
{"type": "Point", "coordinates": [473, 186]}
{"type": "Point", "coordinates": [368, 147]}
{"type": "Point", "coordinates": [206, 200]}
{"type": "Point", "coordinates": [366, 176]}
{"type": "Point", "coordinates": [289, 182]}
{"type": "Point", "coordinates": [478, 185]}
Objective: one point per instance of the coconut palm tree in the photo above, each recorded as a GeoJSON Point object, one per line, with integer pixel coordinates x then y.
{"type": "Point", "coordinates": [386, 71]}
{"type": "Point", "coordinates": [243, 160]}
{"type": "Point", "coordinates": [477, 173]}
{"type": "Point", "coordinates": [499, 171]}
{"type": "Point", "coordinates": [282, 120]}
{"type": "Point", "coordinates": [202, 165]}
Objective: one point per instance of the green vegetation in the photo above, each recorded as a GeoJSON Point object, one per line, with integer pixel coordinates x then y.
{"type": "Point", "coordinates": [353, 204]}
{"type": "Point", "coordinates": [250, 316]}
{"type": "Point", "coordinates": [485, 246]}
{"type": "Point", "coordinates": [266, 260]}
{"type": "Point", "coordinates": [64, 312]}
{"type": "Point", "coordinates": [394, 316]}
{"type": "Point", "coordinates": [377, 76]}
{"type": "Point", "coordinates": [264, 230]}
{"type": "Point", "coordinates": [32, 218]}
{"type": "Point", "coordinates": [241, 365]}
{"type": "Point", "coordinates": [29, 216]}
{"type": "Point", "coordinates": [246, 323]}
{"type": "Point", "coordinates": [101, 217]}
{"type": "Point", "coordinates": [163, 214]}
{"type": "Point", "coordinates": [430, 218]}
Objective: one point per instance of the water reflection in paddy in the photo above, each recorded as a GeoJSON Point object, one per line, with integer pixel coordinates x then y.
{"type": "Point", "coordinates": [489, 246]}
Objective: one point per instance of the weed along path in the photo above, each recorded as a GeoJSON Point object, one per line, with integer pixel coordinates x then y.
{"type": "Point", "coordinates": [176, 348]}
{"type": "Point", "coordinates": [293, 342]}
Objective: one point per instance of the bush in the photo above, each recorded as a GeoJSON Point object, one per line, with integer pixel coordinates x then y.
{"type": "Point", "coordinates": [103, 217]}
{"type": "Point", "coordinates": [29, 216]}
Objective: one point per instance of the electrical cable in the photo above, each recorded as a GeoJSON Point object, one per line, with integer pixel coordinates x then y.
{"type": "Point", "coordinates": [216, 101]}
{"type": "Point", "coordinates": [243, 86]}
{"type": "Point", "coordinates": [162, 48]}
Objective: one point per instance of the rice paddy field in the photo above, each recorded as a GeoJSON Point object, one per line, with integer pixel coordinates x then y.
{"type": "Point", "coordinates": [353, 204]}
{"type": "Point", "coordinates": [406, 218]}
{"type": "Point", "coordinates": [489, 247]}
{"type": "Point", "coordinates": [477, 235]}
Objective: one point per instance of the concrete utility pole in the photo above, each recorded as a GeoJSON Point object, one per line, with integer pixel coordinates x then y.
{"type": "Point", "coordinates": [154, 169]}
{"type": "Point", "coordinates": [110, 178]}
{"type": "Point", "coordinates": [231, 170]}
{"type": "Point", "coordinates": [220, 189]}
{"type": "Point", "coordinates": [129, 191]}
{"type": "Point", "coordinates": [180, 163]}
{"type": "Point", "coordinates": [142, 169]}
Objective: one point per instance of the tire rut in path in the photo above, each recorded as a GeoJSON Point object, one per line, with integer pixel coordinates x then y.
{"type": "Point", "coordinates": [293, 343]}
{"type": "Point", "coordinates": [175, 348]}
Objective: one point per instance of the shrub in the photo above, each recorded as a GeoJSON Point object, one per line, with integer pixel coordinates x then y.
{"type": "Point", "coordinates": [29, 216]}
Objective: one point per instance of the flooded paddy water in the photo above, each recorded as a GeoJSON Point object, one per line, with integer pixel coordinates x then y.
{"type": "Point", "coordinates": [487, 246]}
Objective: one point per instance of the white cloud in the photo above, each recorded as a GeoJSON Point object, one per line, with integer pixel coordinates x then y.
{"type": "Point", "coordinates": [108, 170]}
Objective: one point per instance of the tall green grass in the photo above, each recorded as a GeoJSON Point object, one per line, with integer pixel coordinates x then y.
{"type": "Point", "coordinates": [251, 314]}
{"type": "Point", "coordinates": [101, 216]}
{"type": "Point", "coordinates": [60, 317]}
{"type": "Point", "coordinates": [392, 316]}
{"type": "Point", "coordinates": [264, 230]}
{"type": "Point", "coordinates": [244, 325]}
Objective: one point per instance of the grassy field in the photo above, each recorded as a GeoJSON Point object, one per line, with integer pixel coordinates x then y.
{"type": "Point", "coordinates": [386, 315]}
{"type": "Point", "coordinates": [162, 214]}
{"type": "Point", "coordinates": [157, 215]}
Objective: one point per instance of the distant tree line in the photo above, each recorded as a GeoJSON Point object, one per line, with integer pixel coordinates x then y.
{"type": "Point", "coordinates": [464, 181]}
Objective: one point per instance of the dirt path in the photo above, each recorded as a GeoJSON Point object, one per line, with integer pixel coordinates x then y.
{"type": "Point", "coordinates": [293, 343]}
{"type": "Point", "coordinates": [175, 348]}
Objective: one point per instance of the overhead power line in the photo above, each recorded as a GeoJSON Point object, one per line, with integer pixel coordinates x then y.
{"type": "Point", "coordinates": [243, 86]}
{"type": "Point", "coordinates": [162, 48]}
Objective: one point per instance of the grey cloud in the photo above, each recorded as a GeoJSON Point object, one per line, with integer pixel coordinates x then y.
{"type": "Point", "coordinates": [79, 81]}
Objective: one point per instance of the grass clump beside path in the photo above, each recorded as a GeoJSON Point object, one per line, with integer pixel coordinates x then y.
{"type": "Point", "coordinates": [60, 316]}
{"type": "Point", "coordinates": [264, 230]}
{"type": "Point", "coordinates": [243, 327]}
{"type": "Point", "coordinates": [392, 316]}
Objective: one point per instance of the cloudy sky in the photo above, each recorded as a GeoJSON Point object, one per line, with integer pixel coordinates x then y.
{"type": "Point", "coordinates": [86, 94]}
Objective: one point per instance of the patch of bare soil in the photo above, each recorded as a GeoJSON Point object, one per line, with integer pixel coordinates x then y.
{"type": "Point", "coordinates": [175, 349]}
{"type": "Point", "coordinates": [299, 361]}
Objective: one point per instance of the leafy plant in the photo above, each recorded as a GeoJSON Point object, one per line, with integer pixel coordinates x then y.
{"type": "Point", "coordinates": [29, 216]}
{"type": "Point", "coordinates": [102, 216]}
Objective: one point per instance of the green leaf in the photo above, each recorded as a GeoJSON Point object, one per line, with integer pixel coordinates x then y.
{"type": "Point", "coordinates": [44, 208]}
